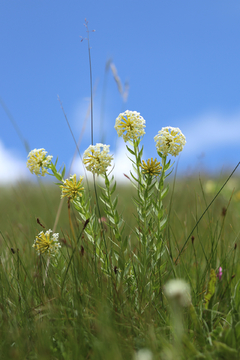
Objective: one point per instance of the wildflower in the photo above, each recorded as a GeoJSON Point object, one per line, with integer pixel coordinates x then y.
{"type": "Point", "coordinates": [47, 243]}
{"type": "Point", "coordinates": [178, 291]}
{"type": "Point", "coordinates": [130, 125]}
{"type": "Point", "coordinates": [219, 274]}
{"type": "Point", "coordinates": [170, 140]}
{"type": "Point", "coordinates": [152, 167]}
{"type": "Point", "coordinates": [39, 161]}
{"type": "Point", "coordinates": [96, 158]}
{"type": "Point", "coordinates": [143, 354]}
{"type": "Point", "coordinates": [71, 187]}
{"type": "Point", "coordinates": [210, 187]}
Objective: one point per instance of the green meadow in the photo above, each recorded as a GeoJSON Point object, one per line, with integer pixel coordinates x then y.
{"type": "Point", "coordinates": [86, 304]}
{"type": "Point", "coordinates": [92, 269]}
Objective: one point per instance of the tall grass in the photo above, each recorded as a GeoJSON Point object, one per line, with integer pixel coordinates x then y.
{"type": "Point", "coordinates": [80, 312]}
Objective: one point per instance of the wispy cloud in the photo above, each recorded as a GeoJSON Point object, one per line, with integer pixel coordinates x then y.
{"type": "Point", "coordinates": [211, 131]}
{"type": "Point", "coordinates": [212, 143]}
{"type": "Point", "coordinates": [122, 163]}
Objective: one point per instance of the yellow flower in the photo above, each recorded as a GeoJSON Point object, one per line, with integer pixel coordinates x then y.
{"type": "Point", "coordinates": [97, 159]}
{"type": "Point", "coordinates": [170, 140]}
{"type": "Point", "coordinates": [152, 167]}
{"type": "Point", "coordinates": [71, 187]}
{"type": "Point", "coordinates": [47, 243]}
{"type": "Point", "coordinates": [130, 125]}
{"type": "Point", "coordinates": [39, 161]}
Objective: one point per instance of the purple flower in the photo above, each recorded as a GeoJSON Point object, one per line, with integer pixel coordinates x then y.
{"type": "Point", "coordinates": [219, 274]}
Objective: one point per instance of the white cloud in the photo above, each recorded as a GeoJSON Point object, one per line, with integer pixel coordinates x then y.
{"type": "Point", "coordinates": [212, 143]}
{"type": "Point", "coordinates": [12, 168]}
{"type": "Point", "coordinates": [211, 131]}
{"type": "Point", "coordinates": [122, 163]}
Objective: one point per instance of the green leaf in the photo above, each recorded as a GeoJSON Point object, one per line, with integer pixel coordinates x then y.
{"type": "Point", "coordinates": [125, 243]}
{"type": "Point", "coordinates": [90, 237]}
{"type": "Point", "coordinates": [130, 150]}
{"type": "Point", "coordinates": [63, 172]}
{"type": "Point", "coordinates": [116, 218]}
{"type": "Point", "coordinates": [163, 223]}
{"type": "Point", "coordinates": [121, 225]}
{"type": "Point", "coordinates": [165, 192]}
{"type": "Point", "coordinates": [115, 201]}
{"type": "Point", "coordinates": [113, 242]}
{"type": "Point", "coordinates": [160, 214]}
{"type": "Point", "coordinates": [141, 152]}
{"type": "Point", "coordinates": [104, 197]}
{"type": "Point", "coordinates": [167, 165]}
{"type": "Point", "coordinates": [105, 202]}
{"type": "Point", "coordinates": [113, 188]}
{"type": "Point", "coordinates": [58, 176]}
{"type": "Point", "coordinates": [211, 288]}
{"type": "Point", "coordinates": [134, 177]}
{"type": "Point", "coordinates": [109, 216]}
{"type": "Point", "coordinates": [106, 181]}
{"type": "Point", "coordinates": [160, 154]}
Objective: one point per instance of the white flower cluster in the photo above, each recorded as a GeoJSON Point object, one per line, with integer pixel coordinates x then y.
{"type": "Point", "coordinates": [143, 354]}
{"type": "Point", "coordinates": [170, 140]}
{"type": "Point", "coordinates": [97, 159]}
{"type": "Point", "coordinates": [178, 290]}
{"type": "Point", "coordinates": [130, 125]}
{"type": "Point", "coordinates": [39, 161]}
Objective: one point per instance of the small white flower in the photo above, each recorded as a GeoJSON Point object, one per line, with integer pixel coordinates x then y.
{"type": "Point", "coordinates": [170, 140]}
{"type": "Point", "coordinates": [178, 290]}
{"type": "Point", "coordinates": [39, 161]}
{"type": "Point", "coordinates": [97, 159]}
{"type": "Point", "coordinates": [143, 354]}
{"type": "Point", "coordinates": [130, 125]}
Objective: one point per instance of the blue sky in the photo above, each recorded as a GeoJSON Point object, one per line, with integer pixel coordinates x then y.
{"type": "Point", "coordinates": [181, 60]}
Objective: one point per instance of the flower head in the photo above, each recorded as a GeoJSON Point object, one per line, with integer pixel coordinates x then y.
{"type": "Point", "coordinates": [152, 167]}
{"type": "Point", "coordinates": [71, 187]}
{"type": "Point", "coordinates": [219, 274]}
{"type": "Point", "coordinates": [47, 243]}
{"type": "Point", "coordinates": [39, 161]}
{"type": "Point", "coordinates": [170, 140]}
{"type": "Point", "coordinates": [178, 291]}
{"type": "Point", "coordinates": [97, 159]}
{"type": "Point", "coordinates": [143, 354]}
{"type": "Point", "coordinates": [130, 125]}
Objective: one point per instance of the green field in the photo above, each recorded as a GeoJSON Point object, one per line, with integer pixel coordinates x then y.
{"type": "Point", "coordinates": [76, 307]}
